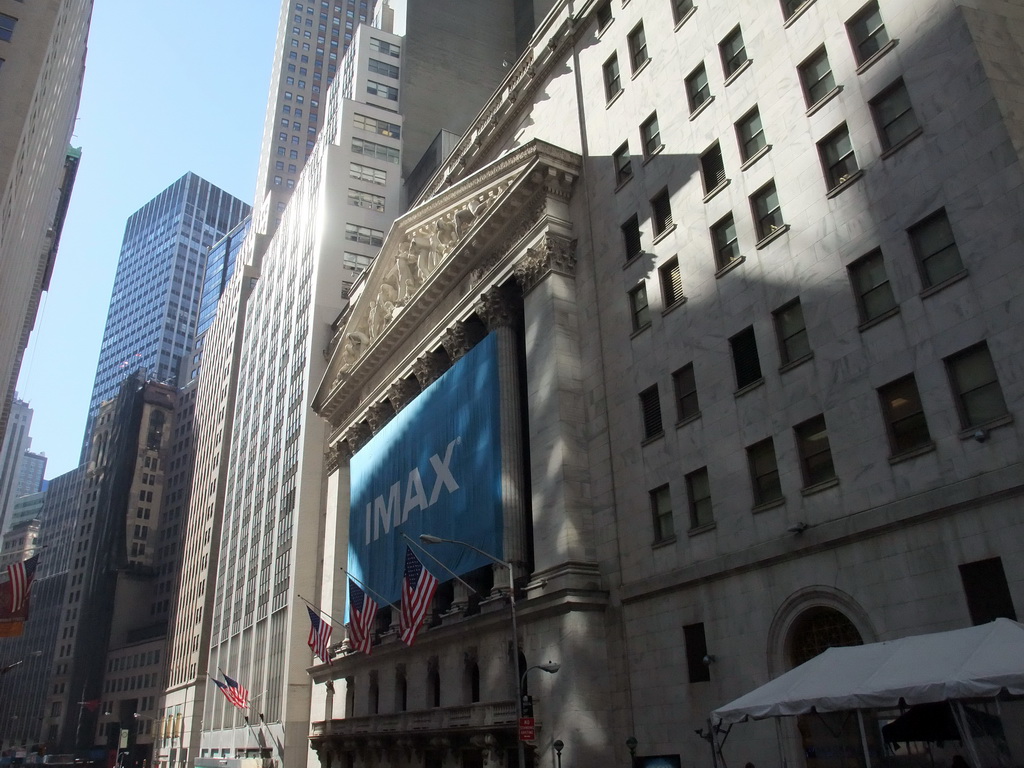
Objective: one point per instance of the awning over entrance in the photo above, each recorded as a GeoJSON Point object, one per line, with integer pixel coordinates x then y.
{"type": "Point", "coordinates": [974, 662]}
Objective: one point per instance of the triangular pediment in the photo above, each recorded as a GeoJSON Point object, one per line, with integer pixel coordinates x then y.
{"type": "Point", "coordinates": [470, 228]}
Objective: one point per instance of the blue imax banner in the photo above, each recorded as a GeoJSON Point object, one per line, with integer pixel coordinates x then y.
{"type": "Point", "coordinates": [435, 468]}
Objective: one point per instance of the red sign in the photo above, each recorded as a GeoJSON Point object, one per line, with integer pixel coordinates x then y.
{"type": "Point", "coordinates": [527, 729]}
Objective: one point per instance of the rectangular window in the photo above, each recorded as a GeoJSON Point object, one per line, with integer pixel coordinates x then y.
{"type": "Point", "coordinates": [623, 166]}
{"type": "Point", "coordinates": [867, 32]}
{"type": "Point", "coordinates": [988, 594]}
{"type": "Point", "coordinates": [382, 127]}
{"type": "Point", "coordinates": [726, 244]}
{"type": "Point", "coordinates": [837, 158]}
{"type": "Point", "coordinates": [767, 213]}
{"type": "Point", "coordinates": [698, 91]}
{"type": "Point", "coordinates": [366, 173]}
{"type": "Point", "coordinates": [790, 7]}
{"type": "Point", "coordinates": [631, 237]}
{"type": "Point", "coordinates": [938, 258]}
{"type": "Point", "coordinates": [638, 308]}
{"type": "Point", "coordinates": [816, 76]}
{"type": "Point", "coordinates": [894, 115]}
{"type": "Point", "coordinates": [671, 283]}
{"type": "Point", "coordinates": [604, 16]}
{"type": "Point", "coordinates": [388, 49]}
{"type": "Point", "coordinates": [745, 360]}
{"type": "Point", "coordinates": [375, 150]}
{"type": "Point", "coordinates": [365, 200]}
{"type": "Point", "coordinates": [680, 8]}
{"type": "Point", "coordinates": [734, 53]}
{"type": "Point", "coordinates": [764, 472]}
{"type": "Point", "coordinates": [685, 386]}
{"type": "Point", "coordinates": [661, 512]}
{"type": "Point", "coordinates": [696, 652]}
{"type": "Point", "coordinates": [357, 262]}
{"type": "Point", "coordinates": [650, 413]}
{"type": "Point", "coordinates": [638, 47]}
{"type": "Point", "coordinates": [750, 134]}
{"type": "Point", "coordinates": [650, 135]}
{"type": "Point", "coordinates": [871, 286]}
{"type": "Point", "coordinates": [612, 78]}
{"type": "Point", "coordinates": [661, 212]}
{"type": "Point", "coordinates": [381, 89]}
{"type": "Point", "coordinates": [382, 68]}
{"type": "Point", "coordinates": [712, 168]}
{"type": "Point", "coordinates": [904, 415]}
{"type": "Point", "coordinates": [791, 332]}
{"type": "Point", "coordinates": [815, 452]}
{"type": "Point", "coordinates": [975, 385]}
{"type": "Point", "coordinates": [698, 488]}
{"type": "Point", "coordinates": [365, 235]}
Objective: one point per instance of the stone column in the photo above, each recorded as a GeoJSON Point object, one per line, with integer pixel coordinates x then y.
{"type": "Point", "coordinates": [379, 414]}
{"type": "Point", "coordinates": [357, 436]}
{"type": "Point", "coordinates": [457, 342]}
{"type": "Point", "coordinates": [429, 368]}
{"type": "Point", "coordinates": [562, 526]}
{"type": "Point", "coordinates": [403, 392]}
{"type": "Point", "coordinates": [500, 311]}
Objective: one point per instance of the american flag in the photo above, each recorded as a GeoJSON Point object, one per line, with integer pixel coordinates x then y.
{"type": "Point", "coordinates": [237, 694]}
{"type": "Point", "coordinates": [319, 635]}
{"type": "Point", "coordinates": [418, 587]}
{"type": "Point", "coordinates": [21, 575]}
{"type": "Point", "coordinates": [362, 613]}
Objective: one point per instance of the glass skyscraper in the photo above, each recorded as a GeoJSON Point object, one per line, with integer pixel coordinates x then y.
{"type": "Point", "coordinates": [159, 282]}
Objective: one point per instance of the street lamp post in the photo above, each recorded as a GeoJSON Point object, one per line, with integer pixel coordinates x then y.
{"type": "Point", "coordinates": [427, 538]}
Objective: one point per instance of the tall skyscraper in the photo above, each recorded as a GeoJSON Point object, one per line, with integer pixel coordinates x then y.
{"type": "Point", "coordinates": [158, 285]}
{"type": "Point", "coordinates": [117, 610]}
{"type": "Point", "coordinates": [16, 442]}
{"type": "Point", "coordinates": [312, 38]}
{"type": "Point", "coordinates": [24, 688]}
{"type": "Point", "coordinates": [42, 62]}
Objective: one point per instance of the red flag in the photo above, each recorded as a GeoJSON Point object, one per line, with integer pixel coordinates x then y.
{"type": "Point", "coordinates": [362, 613]}
{"type": "Point", "coordinates": [20, 576]}
{"type": "Point", "coordinates": [418, 587]}
{"type": "Point", "coordinates": [319, 635]}
{"type": "Point", "coordinates": [233, 692]}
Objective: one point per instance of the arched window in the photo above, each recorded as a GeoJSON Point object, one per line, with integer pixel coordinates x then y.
{"type": "Point", "coordinates": [818, 629]}
{"type": "Point", "coordinates": [829, 739]}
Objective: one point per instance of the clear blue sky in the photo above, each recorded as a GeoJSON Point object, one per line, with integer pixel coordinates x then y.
{"type": "Point", "coordinates": [170, 86]}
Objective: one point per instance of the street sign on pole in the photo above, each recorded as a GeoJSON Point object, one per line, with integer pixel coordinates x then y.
{"type": "Point", "coordinates": [527, 729]}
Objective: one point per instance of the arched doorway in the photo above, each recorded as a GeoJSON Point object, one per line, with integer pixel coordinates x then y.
{"type": "Point", "coordinates": [831, 739]}
{"type": "Point", "coordinates": [808, 623]}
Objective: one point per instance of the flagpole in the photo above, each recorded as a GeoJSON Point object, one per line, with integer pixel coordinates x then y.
{"type": "Point", "coordinates": [456, 576]}
{"type": "Point", "coordinates": [365, 588]}
{"type": "Point", "coordinates": [319, 610]}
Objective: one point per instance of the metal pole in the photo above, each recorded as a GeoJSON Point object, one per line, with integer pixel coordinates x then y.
{"type": "Point", "coordinates": [863, 738]}
{"type": "Point", "coordinates": [515, 664]}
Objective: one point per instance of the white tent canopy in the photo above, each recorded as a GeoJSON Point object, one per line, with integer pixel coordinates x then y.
{"type": "Point", "coordinates": [974, 662]}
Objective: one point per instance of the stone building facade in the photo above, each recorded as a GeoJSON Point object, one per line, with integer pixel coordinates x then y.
{"type": "Point", "coordinates": [756, 265]}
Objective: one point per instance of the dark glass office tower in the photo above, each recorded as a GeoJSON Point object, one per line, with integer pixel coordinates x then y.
{"type": "Point", "coordinates": [159, 282]}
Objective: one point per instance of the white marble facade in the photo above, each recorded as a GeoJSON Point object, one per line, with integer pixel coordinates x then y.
{"type": "Point", "coordinates": [880, 540]}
